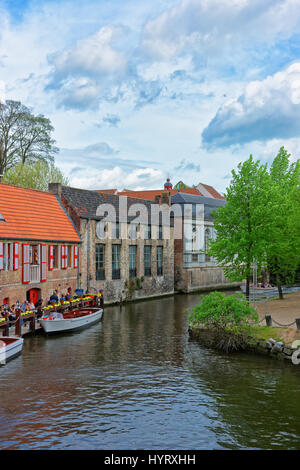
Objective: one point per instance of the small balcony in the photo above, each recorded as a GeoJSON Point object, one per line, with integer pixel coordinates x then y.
{"type": "Point", "coordinates": [35, 273]}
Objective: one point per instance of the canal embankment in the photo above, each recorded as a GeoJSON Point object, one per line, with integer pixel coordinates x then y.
{"type": "Point", "coordinates": [266, 327]}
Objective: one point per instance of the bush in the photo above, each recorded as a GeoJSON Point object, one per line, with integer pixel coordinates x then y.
{"type": "Point", "coordinates": [218, 310]}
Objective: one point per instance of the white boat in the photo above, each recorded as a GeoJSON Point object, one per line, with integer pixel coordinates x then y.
{"type": "Point", "coordinates": [79, 318]}
{"type": "Point", "coordinates": [259, 289]}
{"type": "Point", "coordinates": [10, 347]}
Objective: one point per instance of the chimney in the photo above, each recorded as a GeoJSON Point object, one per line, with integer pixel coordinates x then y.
{"type": "Point", "coordinates": [166, 198]}
{"type": "Point", "coordinates": [158, 199]}
{"type": "Point", "coordinates": [55, 188]}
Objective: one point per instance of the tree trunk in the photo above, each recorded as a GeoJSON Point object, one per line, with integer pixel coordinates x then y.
{"type": "Point", "coordinates": [248, 288]}
{"type": "Point", "coordinates": [278, 282]}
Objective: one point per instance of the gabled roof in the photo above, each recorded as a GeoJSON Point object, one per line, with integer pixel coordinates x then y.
{"type": "Point", "coordinates": [86, 202]}
{"type": "Point", "coordinates": [33, 215]}
{"type": "Point", "coordinates": [209, 191]}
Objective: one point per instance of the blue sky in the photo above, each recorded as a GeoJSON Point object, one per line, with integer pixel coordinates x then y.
{"type": "Point", "coordinates": [138, 91]}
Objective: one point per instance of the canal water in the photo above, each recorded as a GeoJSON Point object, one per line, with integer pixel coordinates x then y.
{"type": "Point", "coordinates": [136, 381]}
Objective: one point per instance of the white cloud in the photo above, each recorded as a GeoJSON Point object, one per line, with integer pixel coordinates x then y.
{"type": "Point", "coordinates": [118, 178]}
{"type": "Point", "coordinates": [92, 56]}
{"type": "Point", "coordinates": [208, 26]}
{"type": "Point", "coordinates": [266, 110]}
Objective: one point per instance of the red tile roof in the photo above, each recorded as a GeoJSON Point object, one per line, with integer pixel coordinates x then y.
{"type": "Point", "coordinates": [107, 191]}
{"type": "Point", "coordinates": [33, 215]}
{"type": "Point", "coordinates": [213, 191]}
{"type": "Point", "coordinates": [152, 193]}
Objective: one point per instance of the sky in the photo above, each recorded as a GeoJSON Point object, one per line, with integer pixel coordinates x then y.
{"type": "Point", "coordinates": [141, 91]}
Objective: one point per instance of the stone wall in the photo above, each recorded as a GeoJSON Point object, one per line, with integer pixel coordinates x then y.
{"type": "Point", "coordinates": [116, 290]}
{"type": "Point", "coordinates": [272, 348]}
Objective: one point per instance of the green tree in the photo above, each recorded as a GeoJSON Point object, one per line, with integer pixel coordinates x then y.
{"type": "Point", "coordinates": [283, 246]}
{"type": "Point", "coordinates": [23, 136]}
{"type": "Point", "coordinates": [240, 224]}
{"type": "Point", "coordinates": [35, 176]}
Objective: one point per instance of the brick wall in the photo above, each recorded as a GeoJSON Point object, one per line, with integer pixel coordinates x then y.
{"type": "Point", "coordinates": [11, 285]}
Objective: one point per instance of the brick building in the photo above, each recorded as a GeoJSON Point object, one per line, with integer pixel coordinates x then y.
{"type": "Point", "coordinates": [39, 246]}
{"type": "Point", "coordinates": [127, 258]}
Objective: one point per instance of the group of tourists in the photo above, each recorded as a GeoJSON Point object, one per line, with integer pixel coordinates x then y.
{"type": "Point", "coordinates": [30, 306]}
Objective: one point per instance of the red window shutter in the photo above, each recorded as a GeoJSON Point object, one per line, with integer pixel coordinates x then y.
{"type": "Point", "coordinates": [43, 263]}
{"type": "Point", "coordinates": [66, 256]}
{"type": "Point", "coordinates": [63, 257]}
{"type": "Point", "coordinates": [16, 256]}
{"type": "Point", "coordinates": [51, 257]}
{"type": "Point", "coordinates": [76, 256]}
{"type": "Point", "coordinates": [1, 256]}
{"type": "Point", "coordinates": [26, 263]}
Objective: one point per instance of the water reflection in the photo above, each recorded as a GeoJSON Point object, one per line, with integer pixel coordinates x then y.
{"type": "Point", "coordinates": [135, 381]}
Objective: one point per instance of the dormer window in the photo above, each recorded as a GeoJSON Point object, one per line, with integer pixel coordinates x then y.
{"type": "Point", "coordinates": [1, 218]}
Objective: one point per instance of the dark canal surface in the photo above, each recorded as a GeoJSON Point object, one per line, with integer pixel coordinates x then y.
{"type": "Point", "coordinates": [135, 381]}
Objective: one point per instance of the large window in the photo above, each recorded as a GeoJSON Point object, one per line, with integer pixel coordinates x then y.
{"type": "Point", "coordinates": [147, 260]}
{"type": "Point", "coordinates": [149, 232]}
{"type": "Point", "coordinates": [100, 269]}
{"type": "Point", "coordinates": [132, 261]}
{"type": "Point", "coordinates": [159, 260]}
{"type": "Point", "coordinates": [55, 256]}
{"type": "Point", "coordinates": [206, 241]}
{"type": "Point", "coordinates": [116, 261]}
{"type": "Point", "coordinates": [160, 232]}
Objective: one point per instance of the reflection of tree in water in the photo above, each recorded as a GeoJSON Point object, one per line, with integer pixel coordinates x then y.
{"type": "Point", "coordinates": [256, 398]}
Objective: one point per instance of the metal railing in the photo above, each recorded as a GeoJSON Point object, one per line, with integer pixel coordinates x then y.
{"type": "Point", "coordinates": [35, 273]}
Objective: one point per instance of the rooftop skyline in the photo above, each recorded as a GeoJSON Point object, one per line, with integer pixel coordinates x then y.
{"type": "Point", "coordinates": [138, 92]}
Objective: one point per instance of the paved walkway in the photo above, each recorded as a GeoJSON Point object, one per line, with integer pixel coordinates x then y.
{"type": "Point", "coordinates": [283, 311]}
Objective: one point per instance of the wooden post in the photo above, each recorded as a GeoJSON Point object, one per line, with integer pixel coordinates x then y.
{"type": "Point", "coordinates": [6, 328]}
{"type": "Point", "coordinates": [32, 324]}
{"type": "Point", "coordinates": [268, 320]}
{"type": "Point", "coordinates": [298, 323]}
{"type": "Point", "coordinates": [18, 323]}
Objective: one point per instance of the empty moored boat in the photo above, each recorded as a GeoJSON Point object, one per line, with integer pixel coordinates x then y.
{"type": "Point", "coordinates": [10, 347]}
{"type": "Point", "coordinates": [56, 322]}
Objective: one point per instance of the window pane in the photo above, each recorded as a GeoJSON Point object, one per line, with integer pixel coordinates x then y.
{"type": "Point", "coordinates": [116, 261]}
{"type": "Point", "coordinates": [159, 260]}
{"type": "Point", "coordinates": [147, 260]}
{"type": "Point", "coordinates": [100, 272]}
{"type": "Point", "coordinates": [132, 261]}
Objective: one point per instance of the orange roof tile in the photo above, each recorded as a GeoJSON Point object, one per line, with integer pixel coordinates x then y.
{"type": "Point", "coordinates": [33, 215]}
{"type": "Point", "coordinates": [152, 193]}
{"type": "Point", "coordinates": [213, 191]}
{"type": "Point", "coordinates": [107, 191]}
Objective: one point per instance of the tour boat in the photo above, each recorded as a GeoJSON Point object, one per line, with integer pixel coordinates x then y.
{"type": "Point", "coordinates": [56, 322]}
{"type": "Point", "coordinates": [10, 347]}
{"type": "Point", "coordinates": [259, 289]}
